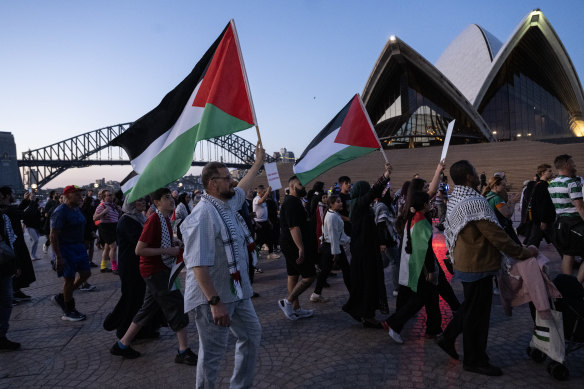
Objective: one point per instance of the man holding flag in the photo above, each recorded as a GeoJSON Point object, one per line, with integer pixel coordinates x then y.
{"type": "Point", "coordinates": [217, 249]}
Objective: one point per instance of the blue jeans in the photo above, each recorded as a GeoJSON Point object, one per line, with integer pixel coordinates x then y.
{"type": "Point", "coordinates": [245, 326]}
{"type": "Point", "coordinates": [5, 303]}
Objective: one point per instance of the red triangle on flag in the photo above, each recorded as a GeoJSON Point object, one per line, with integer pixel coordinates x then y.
{"type": "Point", "coordinates": [223, 84]}
{"type": "Point", "coordinates": [356, 129]}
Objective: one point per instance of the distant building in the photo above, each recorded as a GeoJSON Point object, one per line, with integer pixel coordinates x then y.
{"type": "Point", "coordinates": [284, 156]}
{"type": "Point", "coordinates": [9, 173]}
{"type": "Point", "coordinates": [525, 88]}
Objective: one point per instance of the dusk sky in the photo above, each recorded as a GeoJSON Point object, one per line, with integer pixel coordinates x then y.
{"type": "Point", "coordinates": [69, 67]}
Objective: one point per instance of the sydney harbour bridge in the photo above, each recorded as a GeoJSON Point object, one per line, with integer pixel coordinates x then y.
{"type": "Point", "coordinates": [38, 167]}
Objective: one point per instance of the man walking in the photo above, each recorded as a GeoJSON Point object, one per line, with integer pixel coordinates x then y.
{"type": "Point", "coordinates": [475, 240]}
{"type": "Point", "coordinates": [298, 243]}
{"type": "Point", "coordinates": [566, 193]}
{"type": "Point", "coordinates": [67, 229]}
{"type": "Point", "coordinates": [217, 249]}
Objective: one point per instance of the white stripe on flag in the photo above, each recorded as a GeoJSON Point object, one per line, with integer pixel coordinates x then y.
{"type": "Point", "coordinates": [319, 153]}
{"type": "Point", "coordinates": [189, 117]}
{"type": "Point", "coordinates": [130, 184]}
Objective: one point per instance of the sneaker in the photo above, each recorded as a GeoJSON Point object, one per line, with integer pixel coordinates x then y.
{"type": "Point", "coordinates": [73, 316]}
{"type": "Point", "coordinates": [273, 256]}
{"type": "Point", "coordinates": [128, 352]}
{"type": "Point", "coordinates": [188, 357]}
{"type": "Point", "coordinates": [93, 264]}
{"type": "Point", "coordinates": [395, 336]}
{"type": "Point", "coordinates": [395, 293]}
{"type": "Point", "coordinates": [87, 287]}
{"type": "Point", "coordinates": [6, 344]}
{"type": "Point", "coordinates": [317, 298]}
{"type": "Point", "coordinates": [45, 248]}
{"type": "Point", "coordinates": [447, 346]}
{"type": "Point", "coordinates": [287, 308]}
{"type": "Point", "coordinates": [392, 334]}
{"type": "Point", "coordinates": [303, 313]}
{"type": "Point", "coordinates": [59, 301]}
{"type": "Point", "coordinates": [488, 370]}
{"type": "Point", "coordinates": [258, 270]}
{"type": "Point", "coordinates": [106, 270]}
{"type": "Point", "coordinates": [19, 295]}
{"type": "Point", "coordinates": [116, 272]}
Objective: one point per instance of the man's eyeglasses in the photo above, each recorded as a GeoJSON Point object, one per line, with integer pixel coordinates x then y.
{"type": "Point", "coordinates": [222, 178]}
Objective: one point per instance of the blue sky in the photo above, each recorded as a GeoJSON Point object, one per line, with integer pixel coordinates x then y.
{"type": "Point", "coordinates": [70, 67]}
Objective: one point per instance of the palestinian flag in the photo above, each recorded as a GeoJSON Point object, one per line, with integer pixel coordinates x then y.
{"type": "Point", "coordinates": [348, 136]}
{"type": "Point", "coordinates": [411, 264]}
{"type": "Point", "coordinates": [213, 100]}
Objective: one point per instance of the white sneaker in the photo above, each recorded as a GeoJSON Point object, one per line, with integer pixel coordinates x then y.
{"type": "Point", "coordinates": [304, 313]}
{"type": "Point", "coordinates": [317, 298]}
{"type": "Point", "coordinates": [395, 293]}
{"type": "Point", "coordinates": [395, 336]}
{"type": "Point", "coordinates": [288, 309]}
{"type": "Point", "coordinates": [273, 256]}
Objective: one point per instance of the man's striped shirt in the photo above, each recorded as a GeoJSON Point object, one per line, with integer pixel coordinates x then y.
{"type": "Point", "coordinates": [563, 190]}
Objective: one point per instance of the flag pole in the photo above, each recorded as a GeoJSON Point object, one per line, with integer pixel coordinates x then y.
{"type": "Point", "coordinates": [255, 120]}
{"type": "Point", "coordinates": [372, 129]}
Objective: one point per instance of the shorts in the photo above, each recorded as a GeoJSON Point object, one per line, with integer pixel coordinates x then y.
{"type": "Point", "coordinates": [570, 235]}
{"type": "Point", "coordinates": [107, 232]}
{"type": "Point", "coordinates": [75, 259]}
{"type": "Point", "coordinates": [158, 296]}
{"type": "Point", "coordinates": [305, 269]}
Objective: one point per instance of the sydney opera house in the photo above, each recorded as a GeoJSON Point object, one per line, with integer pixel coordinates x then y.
{"type": "Point", "coordinates": [524, 88]}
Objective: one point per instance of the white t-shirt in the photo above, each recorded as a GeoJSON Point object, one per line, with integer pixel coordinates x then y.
{"type": "Point", "coordinates": [261, 210]}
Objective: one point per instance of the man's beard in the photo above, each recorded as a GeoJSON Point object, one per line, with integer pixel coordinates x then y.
{"type": "Point", "coordinates": [228, 194]}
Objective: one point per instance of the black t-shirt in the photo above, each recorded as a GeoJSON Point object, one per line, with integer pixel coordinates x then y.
{"type": "Point", "coordinates": [293, 214]}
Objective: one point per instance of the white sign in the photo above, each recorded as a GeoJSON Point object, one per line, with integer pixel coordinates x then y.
{"type": "Point", "coordinates": [273, 176]}
{"type": "Point", "coordinates": [447, 140]}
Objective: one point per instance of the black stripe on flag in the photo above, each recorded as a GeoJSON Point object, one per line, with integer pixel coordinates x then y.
{"type": "Point", "coordinates": [149, 127]}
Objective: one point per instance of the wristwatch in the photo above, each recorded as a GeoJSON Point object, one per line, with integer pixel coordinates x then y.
{"type": "Point", "coordinates": [214, 300]}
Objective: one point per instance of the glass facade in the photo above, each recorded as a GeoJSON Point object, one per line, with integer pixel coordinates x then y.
{"type": "Point", "coordinates": [413, 112]}
{"type": "Point", "coordinates": [526, 99]}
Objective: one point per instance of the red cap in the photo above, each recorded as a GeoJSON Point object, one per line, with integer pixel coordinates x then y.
{"type": "Point", "coordinates": [72, 189]}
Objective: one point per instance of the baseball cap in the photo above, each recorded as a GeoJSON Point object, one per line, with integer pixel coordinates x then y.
{"type": "Point", "coordinates": [72, 189]}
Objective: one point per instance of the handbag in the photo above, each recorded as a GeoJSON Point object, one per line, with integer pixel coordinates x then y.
{"type": "Point", "coordinates": [7, 256]}
{"type": "Point", "coordinates": [548, 336]}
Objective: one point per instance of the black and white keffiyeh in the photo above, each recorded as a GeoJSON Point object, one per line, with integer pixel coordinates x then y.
{"type": "Point", "coordinates": [228, 233]}
{"type": "Point", "coordinates": [465, 205]}
{"type": "Point", "coordinates": [165, 241]}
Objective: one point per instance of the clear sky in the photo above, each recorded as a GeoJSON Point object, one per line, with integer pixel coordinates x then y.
{"type": "Point", "coordinates": [69, 67]}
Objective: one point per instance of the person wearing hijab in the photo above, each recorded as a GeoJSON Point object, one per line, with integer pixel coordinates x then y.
{"type": "Point", "coordinates": [367, 292]}
{"type": "Point", "coordinates": [128, 232]}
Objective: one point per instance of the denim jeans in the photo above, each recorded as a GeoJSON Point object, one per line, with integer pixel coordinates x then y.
{"type": "Point", "coordinates": [245, 326]}
{"type": "Point", "coordinates": [5, 303]}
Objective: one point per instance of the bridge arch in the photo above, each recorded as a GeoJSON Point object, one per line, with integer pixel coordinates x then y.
{"type": "Point", "coordinates": [42, 165]}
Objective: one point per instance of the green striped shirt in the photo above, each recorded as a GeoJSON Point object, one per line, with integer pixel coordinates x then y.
{"type": "Point", "coordinates": [563, 190]}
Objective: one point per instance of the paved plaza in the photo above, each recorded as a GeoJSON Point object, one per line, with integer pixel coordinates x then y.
{"type": "Point", "coordinates": [328, 350]}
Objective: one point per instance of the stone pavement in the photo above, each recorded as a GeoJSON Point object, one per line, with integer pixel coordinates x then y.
{"type": "Point", "coordinates": [328, 350]}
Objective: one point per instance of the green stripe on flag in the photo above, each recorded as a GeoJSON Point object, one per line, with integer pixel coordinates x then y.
{"type": "Point", "coordinates": [347, 154]}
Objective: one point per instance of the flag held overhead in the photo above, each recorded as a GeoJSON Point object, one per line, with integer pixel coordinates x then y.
{"type": "Point", "coordinates": [212, 101]}
{"type": "Point", "coordinates": [349, 135]}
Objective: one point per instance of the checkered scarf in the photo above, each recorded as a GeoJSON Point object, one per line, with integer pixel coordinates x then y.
{"type": "Point", "coordinates": [165, 241]}
{"type": "Point", "coordinates": [8, 230]}
{"type": "Point", "coordinates": [465, 205]}
{"type": "Point", "coordinates": [228, 233]}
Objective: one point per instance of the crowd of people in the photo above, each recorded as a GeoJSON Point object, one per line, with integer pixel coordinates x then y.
{"type": "Point", "coordinates": [356, 229]}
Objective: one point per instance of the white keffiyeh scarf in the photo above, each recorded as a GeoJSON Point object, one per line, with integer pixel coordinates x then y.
{"type": "Point", "coordinates": [228, 233]}
{"type": "Point", "coordinates": [465, 205]}
{"type": "Point", "coordinates": [165, 241]}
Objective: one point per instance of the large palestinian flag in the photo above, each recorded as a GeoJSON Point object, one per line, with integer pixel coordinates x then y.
{"type": "Point", "coordinates": [348, 136]}
{"type": "Point", "coordinates": [411, 264]}
{"type": "Point", "coordinates": [213, 100]}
